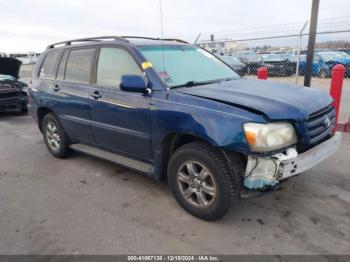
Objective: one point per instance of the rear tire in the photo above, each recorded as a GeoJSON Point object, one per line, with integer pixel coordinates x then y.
{"type": "Point", "coordinates": [201, 181]}
{"type": "Point", "coordinates": [57, 142]}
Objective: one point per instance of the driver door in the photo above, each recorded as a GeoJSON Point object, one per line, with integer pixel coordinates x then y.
{"type": "Point", "coordinates": [120, 120]}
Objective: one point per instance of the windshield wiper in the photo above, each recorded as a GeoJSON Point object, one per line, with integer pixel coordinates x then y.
{"type": "Point", "coordinates": [196, 83]}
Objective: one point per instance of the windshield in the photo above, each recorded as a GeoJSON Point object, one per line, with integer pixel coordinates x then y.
{"type": "Point", "coordinates": [184, 64]}
{"type": "Point", "coordinates": [328, 56]}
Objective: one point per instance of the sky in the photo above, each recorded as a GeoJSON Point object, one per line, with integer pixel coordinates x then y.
{"type": "Point", "coordinates": [31, 25]}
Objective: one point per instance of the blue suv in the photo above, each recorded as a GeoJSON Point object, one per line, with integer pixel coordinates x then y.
{"type": "Point", "coordinates": [172, 110]}
{"type": "Point", "coordinates": [324, 61]}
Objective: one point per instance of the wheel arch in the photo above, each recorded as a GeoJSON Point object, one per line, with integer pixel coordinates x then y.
{"type": "Point", "coordinates": [171, 142]}
{"type": "Point", "coordinates": [41, 112]}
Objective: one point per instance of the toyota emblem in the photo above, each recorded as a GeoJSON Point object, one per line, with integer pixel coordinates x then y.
{"type": "Point", "coordinates": [327, 122]}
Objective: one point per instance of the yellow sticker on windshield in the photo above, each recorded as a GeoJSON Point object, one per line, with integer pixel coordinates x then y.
{"type": "Point", "coordinates": [146, 65]}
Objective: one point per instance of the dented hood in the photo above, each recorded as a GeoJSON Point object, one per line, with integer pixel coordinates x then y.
{"type": "Point", "coordinates": [10, 66]}
{"type": "Point", "coordinates": [277, 101]}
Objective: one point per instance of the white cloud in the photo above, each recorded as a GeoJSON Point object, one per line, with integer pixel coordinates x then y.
{"type": "Point", "coordinates": [33, 24]}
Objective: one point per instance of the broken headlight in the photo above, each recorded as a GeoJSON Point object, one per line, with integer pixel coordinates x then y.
{"type": "Point", "coordinates": [269, 137]}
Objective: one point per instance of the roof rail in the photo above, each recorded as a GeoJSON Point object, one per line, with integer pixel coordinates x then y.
{"type": "Point", "coordinates": [120, 38]}
{"type": "Point", "coordinates": [89, 39]}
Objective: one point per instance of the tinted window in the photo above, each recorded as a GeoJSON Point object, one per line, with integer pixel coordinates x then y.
{"type": "Point", "coordinates": [79, 65]}
{"type": "Point", "coordinates": [47, 69]}
{"type": "Point", "coordinates": [113, 63]}
{"type": "Point", "coordinates": [62, 66]}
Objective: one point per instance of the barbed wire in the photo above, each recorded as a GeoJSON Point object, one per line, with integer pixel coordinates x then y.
{"type": "Point", "coordinates": [329, 24]}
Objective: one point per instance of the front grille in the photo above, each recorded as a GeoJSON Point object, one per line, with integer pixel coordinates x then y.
{"type": "Point", "coordinates": [9, 94]}
{"type": "Point", "coordinates": [317, 124]}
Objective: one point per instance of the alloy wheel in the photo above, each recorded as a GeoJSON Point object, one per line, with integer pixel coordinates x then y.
{"type": "Point", "coordinates": [196, 184]}
{"type": "Point", "coordinates": [53, 136]}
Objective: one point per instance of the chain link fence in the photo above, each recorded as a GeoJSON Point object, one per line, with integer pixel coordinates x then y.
{"type": "Point", "coordinates": [284, 56]}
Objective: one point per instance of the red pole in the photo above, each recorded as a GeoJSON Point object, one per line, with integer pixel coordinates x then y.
{"type": "Point", "coordinates": [338, 72]}
{"type": "Point", "coordinates": [262, 73]}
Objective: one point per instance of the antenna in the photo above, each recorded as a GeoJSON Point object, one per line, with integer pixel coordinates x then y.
{"type": "Point", "coordinates": [162, 33]}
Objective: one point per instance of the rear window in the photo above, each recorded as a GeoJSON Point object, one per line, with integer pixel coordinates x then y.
{"type": "Point", "coordinates": [47, 69]}
{"type": "Point", "coordinates": [79, 65]}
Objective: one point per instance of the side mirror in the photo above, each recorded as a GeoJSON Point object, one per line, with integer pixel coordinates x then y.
{"type": "Point", "coordinates": [134, 83]}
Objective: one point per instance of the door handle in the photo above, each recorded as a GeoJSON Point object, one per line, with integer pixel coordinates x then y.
{"type": "Point", "coordinates": [96, 95]}
{"type": "Point", "coordinates": [56, 88]}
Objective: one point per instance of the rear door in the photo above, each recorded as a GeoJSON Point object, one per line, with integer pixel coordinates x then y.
{"type": "Point", "coordinates": [46, 77]}
{"type": "Point", "coordinates": [120, 120]}
{"type": "Point", "coordinates": [72, 86]}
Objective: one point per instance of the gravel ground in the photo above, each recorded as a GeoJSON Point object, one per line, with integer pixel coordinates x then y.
{"type": "Point", "coordinates": [84, 205]}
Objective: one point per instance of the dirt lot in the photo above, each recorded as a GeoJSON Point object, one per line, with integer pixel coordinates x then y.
{"type": "Point", "coordinates": [84, 205]}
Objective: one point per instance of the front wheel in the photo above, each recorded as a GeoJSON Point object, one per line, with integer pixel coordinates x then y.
{"type": "Point", "coordinates": [201, 181]}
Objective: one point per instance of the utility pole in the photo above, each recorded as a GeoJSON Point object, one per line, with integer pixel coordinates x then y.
{"type": "Point", "coordinates": [212, 40]}
{"type": "Point", "coordinates": [311, 43]}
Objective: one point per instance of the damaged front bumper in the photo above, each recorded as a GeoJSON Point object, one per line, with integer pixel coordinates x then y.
{"type": "Point", "coordinates": [262, 172]}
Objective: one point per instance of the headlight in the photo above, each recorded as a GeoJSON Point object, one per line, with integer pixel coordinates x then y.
{"type": "Point", "coordinates": [269, 137]}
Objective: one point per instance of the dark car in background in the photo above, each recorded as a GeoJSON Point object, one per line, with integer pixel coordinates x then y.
{"type": "Point", "coordinates": [13, 93]}
{"type": "Point", "coordinates": [324, 61]}
{"type": "Point", "coordinates": [252, 60]}
{"type": "Point", "coordinates": [279, 64]}
{"type": "Point", "coordinates": [234, 63]}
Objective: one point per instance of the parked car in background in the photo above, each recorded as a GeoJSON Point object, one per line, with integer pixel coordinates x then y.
{"type": "Point", "coordinates": [234, 63]}
{"type": "Point", "coordinates": [29, 58]}
{"type": "Point", "coordinates": [13, 93]}
{"type": "Point", "coordinates": [174, 111]}
{"type": "Point", "coordinates": [324, 61]}
{"type": "Point", "coordinates": [278, 64]}
{"type": "Point", "coordinates": [252, 60]}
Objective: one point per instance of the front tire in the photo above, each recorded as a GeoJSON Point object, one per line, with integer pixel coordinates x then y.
{"type": "Point", "coordinates": [201, 181]}
{"type": "Point", "coordinates": [57, 142]}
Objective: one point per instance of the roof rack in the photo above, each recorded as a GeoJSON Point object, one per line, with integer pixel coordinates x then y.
{"type": "Point", "coordinates": [89, 39]}
{"type": "Point", "coordinates": [100, 38]}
